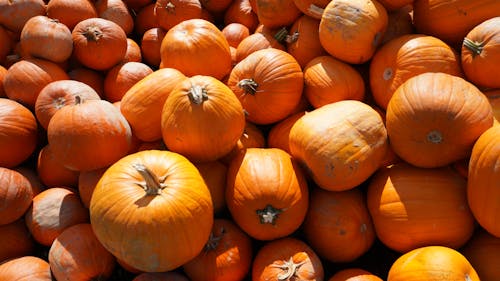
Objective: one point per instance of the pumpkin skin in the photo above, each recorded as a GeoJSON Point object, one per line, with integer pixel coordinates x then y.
{"type": "Point", "coordinates": [266, 193]}
{"type": "Point", "coordinates": [252, 136]}
{"type": "Point", "coordinates": [278, 135]}
{"type": "Point", "coordinates": [53, 210]}
{"type": "Point", "coordinates": [311, 8]}
{"type": "Point", "coordinates": [258, 41]}
{"type": "Point", "coordinates": [51, 171]}
{"type": "Point", "coordinates": [328, 80]}
{"type": "Point", "coordinates": [214, 174]}
{"type": "Point", "coordinates": [227, 256]}
{"type": "Point", "coordinates": [169, 13]}
{"type": "Point", "coordinates": [354, 274]}
{"type": "Point", "coordinates": [97, 131]}
{"type": "Point", "coordinates": [286, 259]}
{"type": "Point", "coordinates": [151, 44]}
{"type": "Point", "coordinates": [133, 53]}
{"type": "Point", "coordinates": [241, 11]}
{"type": "Point", "coordinates": [405, 57]}
{"type": "Point", "coordinates": [76, 254]}
{"type": "Point", "coordinates": [145, 19]}
{"type": "Point", "coordinates": [303, 42]}
{"type": "Point", "coordinates": [71, 12]}
{"type": "Point", "coordinates": [406, 215]}
{"type": "Point", "coordinates": [161, 276]}
{"type": "Point", "coordinates": [269, 85]}
{"type": "Point", "coordinates": [341, 144]}
{"type": "Point", "coordinates": [482, 183]}
{"type": "Point", "coordinates": [14, 14]}
{"type": "Point", "coordinates": [338, 226]}
{"type": "Point", "coordinates": [399, 23]}
{"type": "Point", "coordinates": [433, 119]}
{"type": "Point", "coordinates": [483, 252]}
{"type": "Point", "coordinates": [16, 195]}
{"type": "Point", "coordinates": [196, 47]}
{"type": "Point", "coordinates": [432, 263]}
{"type": "Point", "coordinates": [58, 94]}
{"type": "Point", "coordinates": [25, 268]}
{"type": "Point", "coordinates": [87, 182]}
{"type": "Point", "coordinates": [195, 105]}
{"type": "Point", "coordinates": [121, 77]}
{"type": "Point", "coordinates": [117, 12]}
{"type": "Point", "coordinates": [480, 49]}
{"type": "Point", "coordinates": [16, 239]}
{"type": "Point", "coordinates": [99, 43]}
{"type": "Point", "coordinates": [46, 38]}
{"type": "Point", "coordinates": [352, 30]}
{"type": "Point", "coordinates": [451, 20]}
{"type": "Point", "coordinates": [276, 13]}
{"type": "Point", "coordinates": [161, 230]}
{"type": "Point", "coordinates": [18, 133]}
{"type": "Point", "coordinates": [142, 104]}
{"type": "Point", "coordinates": [91, 77]}
{"type": "Point", "coordinates": [234, 33]}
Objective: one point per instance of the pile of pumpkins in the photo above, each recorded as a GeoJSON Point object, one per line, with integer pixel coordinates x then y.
{"type": "Point", "coordinates": [249, 140]}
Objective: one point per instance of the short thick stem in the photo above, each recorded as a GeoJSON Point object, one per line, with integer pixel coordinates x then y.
{"type": "Point", "coordinates": [476, 48]}
{"type": "Point", "coordinates": [248, 85]}
{"type": "Point", "coordinates": [268, 215]}
{"type": "Point", "coordinates": [197, 94]}
{"type": "Point", "coordinates": [152, 184]}
{"type": "Point", "coordinates": [93, 33]}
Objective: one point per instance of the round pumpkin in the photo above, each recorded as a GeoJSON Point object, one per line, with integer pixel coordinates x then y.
{"type": "Point", "coordinates": [117, 12]}
{"type": "Point", "coordinates": [202, 119]}
{"type": "Point", "coordinates": [234, 33]}
{"type": "Point", "coordinates": [16, 195]}
{"type": "Point", "coordinates": [214, 174]}
{"type": "Point", "coordinates": [88, 76]}
{"type": "Point", "coordinates": [278, 135]}
{"type": "Point", "coordinates": [433, 119]}
{"type": "Point", "coordinates": [268, 15]}
{"type": "Point", "coordinates": [133, 52]}
{"type": "Point", "coordinates": [159, 203]}
{"type": "Point", "coordinates": [354, 274]}
{"type": "Point", "coordinates": [341, 144]}
{"type": "Point", "coordinates": [151, 44]}
{"type": "Point", "coordinates": [258, 41]}
{"type": "Point", "coordinates": [25, 268]}
{"type": "Point", "coordinates": [15, 13]}
{"type": "Point", "coordinates": [52, 172]}
{"type": "Point", "coordinates": [71, 12]}
{"type": "Point", "coordinates": [432, 263]}
{"type": "Point", "coordinates": [483, 252]}
{"type": "Point", "coordinates": [303, 42]}
{"type": "Point", "coordinates": [241, 11]}
{"type": "Point", "coordinates": [413, 207]}
{"type": "Point", "coordinates": [252, 136]}
{"type": "Point", "coordinates": [266, 193]}
{"type": "Point", "coordinates": [121, 77]}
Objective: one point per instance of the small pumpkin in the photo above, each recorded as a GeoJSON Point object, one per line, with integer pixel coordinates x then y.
{"type": "Point", "coordinates": [252, 136]}
{"type": "Point", "coordinates": [71, 12]}
{"type": "Point", "coordinates": [267, 14]}
{"type": "Point", "coordinates": [14, 14]}
{"type": "Point", "coordinates": [235, 32]}
{"type": "Point", "coordinates": [151, 44]}
{"type": "Point", "coordinates": [169, 13]}
{"type": "Point", "coordinates": [117, 12]}
{"type": "Point", "coordinates": [87, 181]}
{"type": "Point", "coordinates": [278, 135]}
{"type": "Point", "coordinates": [133, 53]}
{"type": "Point", "coordinates": [241, 11]}
{"type": "Point", "coordinates": [145, 18]}
{"type": "Point", "coordinates": [16, 195]}
{"type": "Point", "coordinates": [214, 174]}
{"type": "Point", "coordinates": [51, 171]}
{"type": "Point", "coordinates": [91, 77]}
{"type": "Point", "coordinates": [354, 274]}
{"type": "Point", "coordinates": [303, 42]}
{"type": "Point", "coordinates": [25, 268]}
{"type": "Point", "coordinates": [121, 77]}
{"type": "Point", "coordinates": [258, 41]}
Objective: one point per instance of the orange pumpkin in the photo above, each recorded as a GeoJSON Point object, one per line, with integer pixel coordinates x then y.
{"type": "Point", "coordinates": [303, 42]}
{"type": "Point", "coordinates": [252, 136]}
{"type": "Point", "coordinates": [483, 194]}
{"type": "Point", "coordinates": [480, 52]}
{"type": "Point", "coordinates": [258, 41]}
{"type": "Point", "coordinates": [90, 77]}
{"type": "Point", "coordinates": [16, 239]}
{"type": "Point", "coordinates": [51, 171]}
{"type": "Point", "coordinates": [432, 263]}
{"type": "Point", "coordinates": [159, 203]}
{"type": "Point", "coordinates": [16, 195]}
{"type": "Point", "coordinates": [433, 119]}
{"type": "Point", "coordinates": [151, 44]}
{"type": "Point", "coordinates": [338, 225]}
{"type": "Point", "coordinates": [71, 12]}
{"type": "Point", "coordinates": [145, 19]}
{"type": "Point", "coordinates": [14, 14]}
{"type": "Point", "coordinates": [241, 11]}
{"type": "Point", "coordinates": [276, 13]}
{"type": "Point", "coordinates": [169, 13]}
{"type": "Point", "coordinates": [87, 181]}
{"type": "Point", "coordinates": [25, 268]}
{"type": "Point", "coordinates": [133, 53]}
{"type": "Point", "coordinates": [286, 259]}
{"type": "Point", "coordinates": [121, 77]}
{"type": "Point", "coordinates": [278, 135]}
{"type": "Point", "coordinates": [202, 119]}
{"type": "Point", "coordinates": [342, 144]}
{"type": "Point", "coordinates": [235, 32]}
{"type": "Point", "coordinates": [414, 207]}
{"type": "Point", "coordinates": [117, 12]}
{"type": "Point", "coordinates": [399, 23]}
{"type": "Point", "coordinates": [354, 274]}
{"type": "Point", "coordinates": [196, 47]}
{"type": "Point", "coordinates": [483, 252]}
{"type": "Point", "coordinates": [266, 193]}
{"type": "Point", "coordinates": [214, 174]}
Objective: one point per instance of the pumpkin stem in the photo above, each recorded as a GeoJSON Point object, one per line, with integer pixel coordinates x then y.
{"type": "Point", "coordinates": [248, 85]}
{"type": "Point", "coordinates": [213, 241]}
{"type": "Point", "coordinates": [315, 11]}
{"type": "Point", "coordinates": [78, 99]}
{"type": "Point", "coordinates": [93, 33]}
{"type": "Point", "coordinates": [292, 38]}
{"type": "Point", "coordinates": [435, 136]}
{"type": "Point", "coordinates": [289, 268]}
{"type": "Point", "coordinates": [197, 94]}
{"type": "Point", "coordinates": [281, 35]}
{"type": "Point", "coordinates": [152, 184]}
{"type": "Point", "coordinates": [269, 214]}
{"type": "Point", "coordinates": [475, 47]}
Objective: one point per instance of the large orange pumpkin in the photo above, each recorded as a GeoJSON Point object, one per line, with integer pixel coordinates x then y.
{"type": "Point", "coordinates": [16, 195]}
{"type": "Point", "coordinates": [483, 192]}
{"type": "Point", "coordinates": [15, 13]}
{"type": "Point", "coordinates": [414, 207]}
{"type": "Point", "coordinates": [342, 143]}
{"type": "Point", "coordinates": [160, 205]}
{"type": "Point", "coordinates": [433, 119]}
{"type": "Point", "coordinates": [266, 193]}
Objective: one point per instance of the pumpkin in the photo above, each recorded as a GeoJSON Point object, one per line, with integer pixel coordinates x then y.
{"type": "Point", "coordinates": [227, 255]}
{"type": "Point", "coordinates": [252, 136]}
{"type": "Point", "coordinates": [117, 12]}
{"type": "Point", "coordinates": [53, 210]}
{"type": "Point", "coordinates": [393, 5]}
{"type": "Point", "coordinates": [120, 78]}
{"type": "Point", "coordinates": [202, 119]}
{"type": "Point", "coordinates": [99, 43]}
{"type": "Point", "coordinates": [234, 33]}
{"type": "Point", "coordinates": [303, 40]}
{"type": "Point", "coordinates": [269, 85]}
{"type": "Point", "coordinates": [451, 20]}
{"type": "Point", "coordinates": [26, 78]}
{"type": "Point", "coordinates": [32, 176]}
{"type": "Point", "coordinates": [483, 252]}
{"type": "Point", "coordinates": [258, 41]}
{"type": "Point", "coordinates": [160, 203]}
{"type": "Point", "coordinates": [215, 6]}
{"type": "Point", "coordinates": [89, 135]}
{"type": "Point", "coordinates": [214, 174]}
{"type": "Point", "coordinates": [482, 184]}
{"type": "Point", "coordinates": [46, 38]}
{"type": "Point", "coordinates": [241, 11]}
{"type": "Point", "coordinates": [311, 8]}
{"type": "Point", "coordinates": [328, 80]}
{"type": "Point", "coordinates": [494, 99]}
{"type": "Point", "coordinates": [169, 13]}
{"type": "Point", "coordinates": [142, 104]}
{"type": "Point", "coordinates": [16, 195]}
{"type": "Point", "coordinates": [87, 182]}
{"type": "Point", "coordinates": [160, 276]}
{"type": "Point", "coordinates": [3, 71]}
{"type": "Point", "coordinates": [16, 239]}
{"type": "Point", "coordinates": [71, 12]}
{"type": "Point", "coordinates": [90, 77]}
{"type": "Point", "coordinates": [133, 53]}
{"type": "Point", "coordinates": [266, 193]}
{"type": "Point", "coordinates": [5, 47]}
{"type": "Point", "coordinates": [480, 51]}
{"type": "Point", "coordinates": [18, 133]}
{"type": "Point", "coordinates": [405, 57]}
{"type": "Point", "coordinates": [76, 254]}
{"type": "Point", "coordinates": [58, 94]}
{"type": "Point", "coordinates": [51, 172]}
{"type": "Point", "coordinates": [406, 214]}
{"type": "Point", "coordinates": [286, 259]}
{"type": "Point", "coordinates": [151, 44]}
{"type": "Point", "coordinates": [354, 274]}
{"type": "Point", "coordinates": [14, 14]}
{"type": "Point", "coordinates": [338, 225]}
{"type": "Point", "coordinates": [276, 13]}
{"type": "Point", "coordinates": [341, 144]}
{"type": "Point", "coordinates": [433, 119]}
{"type": "Point", "coordinates": [145, 19]}
{"type": "Point", "coordinates": [351, 30]}
{"type": "Point", "coordinates": [432, 263]}
{"type": "Point", "coordinates": [399, 23]}
{"type": "Point", "coordinates": [278, 135]}
{"type": "Point", "coordinates": [25, 268]}
{"type": "Point", "coordinates": [196, 47]}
